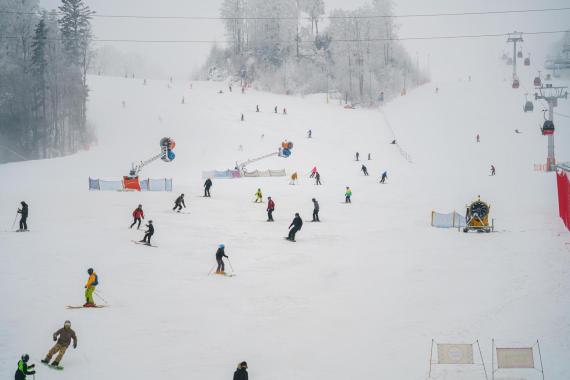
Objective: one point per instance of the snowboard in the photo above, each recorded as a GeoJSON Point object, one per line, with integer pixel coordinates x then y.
{"type": "Point", "coordinates": [56, 367]}
{"type": "Point", "coordinates": [21, 231]}
{"type": "Point", "coordinates": [141, 243]}
{"type": "Point", "coordinates": [287, 238]}
{"type": "Point", "coordinates": [84, 307]}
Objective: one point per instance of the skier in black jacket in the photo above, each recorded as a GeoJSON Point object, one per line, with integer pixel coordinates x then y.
{"type": "Point", "coordinates": [207, 186]}
{"type": "Point", "coordinates": [241, 372]}
{"type": "Point", "coordinates": [220, 254]}
{"type": "Point", "coordinates": [297, 223]}
{"type": "Point", "coordinates": [24, 218]}
{"type": "Point", "coordinates": [148, 234]}
{"type": "Point", "coordinates": [23, 368]}
{"type": "Point", "coordinates": [178, 203]}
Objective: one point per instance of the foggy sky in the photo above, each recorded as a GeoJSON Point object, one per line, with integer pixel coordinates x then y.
{"type": "Point", "coordinates": [447, 58]}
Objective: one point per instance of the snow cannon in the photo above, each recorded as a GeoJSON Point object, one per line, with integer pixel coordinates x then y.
{"type": "Point", "coordinates": [166, 154]}
{"type": "Point", "coordinates": [477, 217]}
{"type": "Point", "coordinates": [285, 150]}
{"type": "Point", "coordinates": [167, 144]}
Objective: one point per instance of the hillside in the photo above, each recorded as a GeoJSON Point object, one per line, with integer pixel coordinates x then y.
{"type": "Point", "coordinates": [358, 296]}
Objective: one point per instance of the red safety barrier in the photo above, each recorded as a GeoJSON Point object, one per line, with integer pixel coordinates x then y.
{"type": "Point", "coordinates": [564, 197]}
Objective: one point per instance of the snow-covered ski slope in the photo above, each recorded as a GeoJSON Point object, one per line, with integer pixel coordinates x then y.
{"type": "Point", "coordinates": [359, 296]}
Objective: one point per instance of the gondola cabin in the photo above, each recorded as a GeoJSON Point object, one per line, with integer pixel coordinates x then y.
{"type": "Point", "coordinates": [528, 106]}
{"type": "Point", "coordinates": [547, 128]}
{"type": "Point", "coordinates": [537, 82]}
{"type": "Point", "coordinates": [516, 83]}
{"type": "Point", "coordinates": [527, 61]}
{"type": "Point", "coordinates": [519, 54]}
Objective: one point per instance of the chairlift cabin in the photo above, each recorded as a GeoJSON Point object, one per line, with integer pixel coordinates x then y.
{"type": "Point", "coordinates": [519, 54]}
{"type": "Point", "coordinates": [516, 83]}
{"type": "Point", "coordinates": [547, 128]}
{"type": "Point", "coordinates": [527, 61]}
{"type": "Point", "coordinates": [537, 82]}
{"type": "Point", "coordinates": [528, 106]}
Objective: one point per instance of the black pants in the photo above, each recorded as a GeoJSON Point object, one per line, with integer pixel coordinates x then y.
{"type": "Point", "coordinates": [206, 191]}
{"type": "Point", "coordinates": [23, 224]}
{"type": "Point", "coordinates": [270, 215]}
{"type": "Point", "coordinates": [316, 216]}
{"type": "Point", "coordinates": [292, 233]}
{"type": "Point", "coordinates": [178, 205]}
{"type": "Point", "coordinates": [365, 172]}
{"type": "Point", "coordinates": [347, 200]}
{"type": "Point", "coordinates": [318, 182]}
{"type": "Point", "coordinates": [135, 222]}
{"type": "Point", "coordinates": [221, 265]}
{"type": "Point", "coordinates": [383, 179]}
{"type": "Point", "coordinates": [147, 237]}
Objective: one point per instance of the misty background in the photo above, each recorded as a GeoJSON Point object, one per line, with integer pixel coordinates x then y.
{"type": "Point", "coordinates": [445, 59]}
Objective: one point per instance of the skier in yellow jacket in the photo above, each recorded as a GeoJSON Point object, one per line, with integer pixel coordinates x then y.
{"type": "Point", "coordinates": [92, 282]}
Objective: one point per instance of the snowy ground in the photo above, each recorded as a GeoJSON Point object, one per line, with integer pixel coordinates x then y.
{"type": "Point", "coordinates": [359, 296]}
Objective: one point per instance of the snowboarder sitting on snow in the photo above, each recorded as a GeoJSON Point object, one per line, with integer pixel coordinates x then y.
{"type": "Point", "coordinates": [23, 368]}
{"type": "Point", "coordinates": [384, 176]}
{"type": "Point", "coordinates": [24, 212]}
{"type": "Point", "coordinates": [316, 210]}
{"type": "Point", "coordinates": [297, 223]}
{"type": "Point", "coordinates": [241, 372]}
{"type": "Point", "coordinates": [179, 202]}
{"type": "Point", "coordinates": [258, 196]}
{"type": "Point", "coordinates": [294, 178]}
{"type": "Point", "coordinates": [207, 186]}
{"type": "Point", "coordinates": [148, 234]}
{"type": "Point", "coordinates": [138, 214]}
{"type": "Point", "coordinates": [364, 169]}
{"type": "Point", "coordinates": [492, 169]}
{"type": "Point", "coordinates": [347, 195]}
{"type": "Point", "coordinates": [310, 134]}
{"type": "Point", "coordinates": [63, 337]}
{"type": "Point", "coordinates": [393, 142]}
{"type": "Point", "coordinates": [92, 282]}
{"type": "Point", "coordinates": [270, 209]}
{"type": "Point", "coordinates": [220, 254]}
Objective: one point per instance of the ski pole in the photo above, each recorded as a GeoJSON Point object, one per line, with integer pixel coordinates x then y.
{"type": "Point", "coordinates": [15, 218]}
{"type": "Point", "coordinates": [102, 299]}
{"type": "Point", "coordinates": [232, 268]}
{"type": "Point", "coordinates": [210, 272]}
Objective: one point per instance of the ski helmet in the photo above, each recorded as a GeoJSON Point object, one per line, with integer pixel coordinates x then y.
{"type": "Point", "coordinates": [222, 245]}
{"type": "Point", "coordinates": [296, 214]}
{"type": "Point", "coordinates": [140, 205]}
{"type": "Point", "coordinates": [25, 358]}
{"type": "Point", "coordinates": [90, 270]}
{"type": "Point", "coordinates": [67, 324]}
{"type": "Point", "coordinates": [243, 365]}
{"type": "Point", "coordinates": [314, 199]}
{"type": "Point", "coordinates": [150, 222]}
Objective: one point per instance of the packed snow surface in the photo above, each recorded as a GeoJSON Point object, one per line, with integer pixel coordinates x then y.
{"type": "Point", "coordinates": [358, 296]}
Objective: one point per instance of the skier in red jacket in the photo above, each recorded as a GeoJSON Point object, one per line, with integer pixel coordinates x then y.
{"type": "Point", "coordinates": [270, 209]}
{"type": "Point", "coordinates": [138, 214]}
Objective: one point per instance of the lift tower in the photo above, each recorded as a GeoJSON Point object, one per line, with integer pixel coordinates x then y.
{"type": "Point", "coordinates": [551, 94]}
{"type": "Point", "coordinates": [515, 37]}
